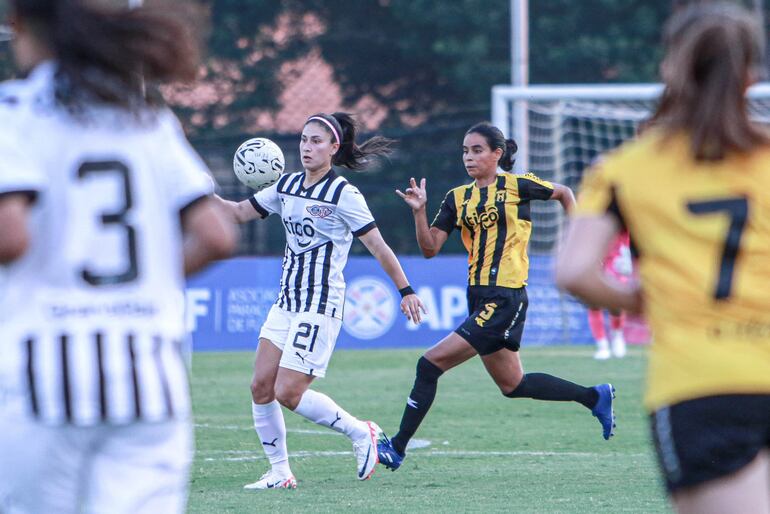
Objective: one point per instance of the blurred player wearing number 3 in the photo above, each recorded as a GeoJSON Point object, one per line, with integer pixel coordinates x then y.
{"type": "Point", "coordinates": [104, 207]}
{"type": "Point", "coordinates": [493, 216]}
{"type": "Point", "coordinates": [694, 192]}
{"type": "Point", "coordinates": [322, 212]}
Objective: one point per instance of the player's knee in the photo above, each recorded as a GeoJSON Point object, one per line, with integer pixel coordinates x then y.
{"type": "Point", "coordinates": [427, 371]}
{"type": "Point", "coordinates": [513, 387]}
{"type": "Point", "coordinates": [262, 391]}
{"type": "Point", "coordinates": [288, 396]}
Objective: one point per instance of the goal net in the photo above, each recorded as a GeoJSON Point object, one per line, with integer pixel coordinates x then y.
{"type": "Point", "coordinates": [561, 130]}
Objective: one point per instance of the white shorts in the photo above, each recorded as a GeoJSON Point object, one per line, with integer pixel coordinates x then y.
{"type": "Point", "coordinates": [136, 468]}
{"type": "Point", "coordinates": [306, 339]}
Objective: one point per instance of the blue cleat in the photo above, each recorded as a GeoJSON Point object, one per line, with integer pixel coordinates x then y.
{"type": "Point", "coordinates": [388, 455]}
{"type": "Point", "coordinates": [603, 409]}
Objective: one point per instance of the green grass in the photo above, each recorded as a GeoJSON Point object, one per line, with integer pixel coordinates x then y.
{"type": "Point", "coordinates": [487, 453]}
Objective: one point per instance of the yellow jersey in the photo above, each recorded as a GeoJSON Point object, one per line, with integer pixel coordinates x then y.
{"type": "Point", "coordinates": [495, 225]}
{"type": "Point", "coordinates": [702, 230]}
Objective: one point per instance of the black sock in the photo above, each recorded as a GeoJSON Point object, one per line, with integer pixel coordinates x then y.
{"type": "Point", "coordinates": [420, 400]}
{"type": "Point", "coordinates": [542, 386]}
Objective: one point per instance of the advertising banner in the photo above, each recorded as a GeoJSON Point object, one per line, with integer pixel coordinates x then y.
{"type": "Point", "coordinates": [227, 304]}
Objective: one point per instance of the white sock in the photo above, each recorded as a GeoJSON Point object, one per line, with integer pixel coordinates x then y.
{"type": "Point", "coordinates": [271, 429]}
{"type": "Point", "coordinates": [320, 409]}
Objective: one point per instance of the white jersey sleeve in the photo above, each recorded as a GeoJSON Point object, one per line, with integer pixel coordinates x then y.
{"type": "Point", "coordinates": [354, 212]}
{"type": "Point", "coordinates": [187, 176]}
{"type": "Point", "coordinates": [266, 201]}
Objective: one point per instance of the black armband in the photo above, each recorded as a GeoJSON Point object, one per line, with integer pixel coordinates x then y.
{"type": "Point", "coordinates": [405, 291]}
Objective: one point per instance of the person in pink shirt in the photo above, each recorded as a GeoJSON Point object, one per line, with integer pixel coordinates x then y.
{"type": "Point", "coordinates": [618, 264]}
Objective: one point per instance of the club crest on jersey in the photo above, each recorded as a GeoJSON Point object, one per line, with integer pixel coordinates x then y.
{"type": "Point", "coordinates": [319, 211]}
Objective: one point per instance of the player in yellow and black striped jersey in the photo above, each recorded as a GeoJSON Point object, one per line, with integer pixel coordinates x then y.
{"type": "Point", "coordinates": [694, 193]}
{"type": "Point", "coordinates": [495, 225]}
{"type": "Point", "coordinates": [493, 217]}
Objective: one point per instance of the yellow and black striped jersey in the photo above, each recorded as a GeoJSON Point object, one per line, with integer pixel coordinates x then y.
{"type": "Point", "coordinates": [702, 230]}
{"type": "Point", "coordinates": [495, 225]}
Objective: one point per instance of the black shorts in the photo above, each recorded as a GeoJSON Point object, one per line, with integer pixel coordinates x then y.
{"type": "Point", "coordinates": [496, 318]}
{"type": "Point", "coordinates": [712, 437]}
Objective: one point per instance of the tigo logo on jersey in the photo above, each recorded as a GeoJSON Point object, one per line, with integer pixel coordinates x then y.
{"type": "Point", "coordinates": [319, 211]}
{"type": "Point", "coordinates": [486, 219]}
{"type": "Point", "coordinates": [370, 308]}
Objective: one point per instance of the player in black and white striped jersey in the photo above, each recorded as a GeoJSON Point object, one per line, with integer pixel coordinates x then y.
{"type": "Point", "coordinates": [103, 208]}
{"type": "Point", "coordinates": [321, 213]}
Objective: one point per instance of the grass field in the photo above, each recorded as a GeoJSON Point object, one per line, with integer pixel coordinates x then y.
{"type": "Point", "coordinates": [487, 453]}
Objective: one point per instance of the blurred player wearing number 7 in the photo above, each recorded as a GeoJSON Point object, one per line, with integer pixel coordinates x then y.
{"type": "Point", "coordinates": [104, 207]}
{"type": "Point", "coordinates": [694, 192]}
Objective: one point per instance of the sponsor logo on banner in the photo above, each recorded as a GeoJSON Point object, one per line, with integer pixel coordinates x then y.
{"type": "Point", "coordinates": [370, 308]}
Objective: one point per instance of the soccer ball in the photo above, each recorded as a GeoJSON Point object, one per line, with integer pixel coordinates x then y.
{"type": "Point", "coordinates": [258, 163]}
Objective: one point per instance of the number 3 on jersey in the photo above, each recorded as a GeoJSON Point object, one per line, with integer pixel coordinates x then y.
{"type": "Point", "coordinates": [737, 208]}
{"type": "Point", "coordinates": [113, 170]}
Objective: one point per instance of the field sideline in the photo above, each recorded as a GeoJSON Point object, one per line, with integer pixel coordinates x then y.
{"type": "Point", "coordinates": [486, 453]}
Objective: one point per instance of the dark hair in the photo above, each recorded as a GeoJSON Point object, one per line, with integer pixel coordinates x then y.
{"type": "Point", "coordinates": [496, 139]}
{"type": "Point", "coordinates": [108, 54]}
{"type": "Point", "coordinates": [712, 50]}
{"type": "Point", "coordinates": [350, 154]}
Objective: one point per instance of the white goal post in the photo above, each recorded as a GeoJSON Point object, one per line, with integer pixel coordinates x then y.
{"type": "Point", "coordinates": [561, 129]}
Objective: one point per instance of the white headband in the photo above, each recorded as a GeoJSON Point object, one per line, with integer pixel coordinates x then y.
{"type": "Point", "coordinates": [328, 124]}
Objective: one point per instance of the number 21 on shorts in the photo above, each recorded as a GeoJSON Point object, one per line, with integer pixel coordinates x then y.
{"type": "Point", "coordinates": [304, 338]}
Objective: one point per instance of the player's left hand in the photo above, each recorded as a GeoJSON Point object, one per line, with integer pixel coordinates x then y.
{"type": "Point", "coordinates": [411, 305]}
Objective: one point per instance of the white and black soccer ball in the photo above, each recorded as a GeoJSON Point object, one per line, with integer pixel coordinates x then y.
{"type": "Point", "coordinates": [258, 162]}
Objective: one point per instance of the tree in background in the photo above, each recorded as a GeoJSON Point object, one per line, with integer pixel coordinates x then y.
{"type": "Point", "coordinates": [421, 59]}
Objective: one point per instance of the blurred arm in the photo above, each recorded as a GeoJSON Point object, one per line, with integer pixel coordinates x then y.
{"type": "Point", "coordinates": [209, 234]}
{"type": "Point", "coordinates": [578, 266]}
{"type": "Point", "coordinates": [14, 235]}
{"type": "Point", "coordinates": [564, 196]}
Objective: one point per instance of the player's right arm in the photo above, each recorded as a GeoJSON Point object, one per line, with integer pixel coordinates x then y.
{"type": "Point", "coordinates": [264, 203]}
{"type": "Point", "coordinates": [430, 239]}
{"type": "Point", "coordinates": [238, 212]}
{"type": "Point", "coordinates": [14, 236]}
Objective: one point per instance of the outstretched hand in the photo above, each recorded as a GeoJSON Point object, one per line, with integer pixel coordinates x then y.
{"type": "Point", "coordinates": [415, 197]}
{"type": "Point", "coordinates": [411, 305]}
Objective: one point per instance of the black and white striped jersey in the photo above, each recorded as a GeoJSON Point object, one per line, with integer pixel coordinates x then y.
{"type": "Point", "coordinates": [92, 315]}
{"type": "Point", "coordinates": [320, 223]}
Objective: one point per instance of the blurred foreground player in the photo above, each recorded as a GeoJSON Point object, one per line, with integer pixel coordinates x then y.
{"type": "Point", "coordinates": [694, 190]}
{"type": "Point", "coordinates": [104, 207]}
